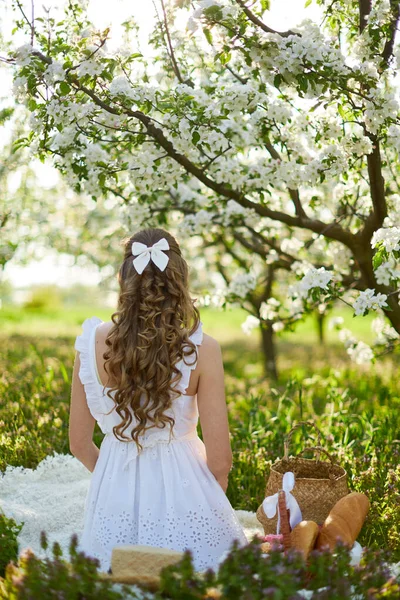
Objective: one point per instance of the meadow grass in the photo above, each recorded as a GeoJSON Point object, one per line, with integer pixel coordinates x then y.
{"type": "Point", "coordinates": [356, 409]}
{"type": "Point", "coordinates": [223, 324]}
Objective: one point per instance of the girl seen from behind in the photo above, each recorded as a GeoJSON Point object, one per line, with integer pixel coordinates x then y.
{"type": "Point", "coordinates": [146, 377]}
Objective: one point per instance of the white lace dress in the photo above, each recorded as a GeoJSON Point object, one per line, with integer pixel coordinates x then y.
{"type": "Point", "coordinates": [164, 496]}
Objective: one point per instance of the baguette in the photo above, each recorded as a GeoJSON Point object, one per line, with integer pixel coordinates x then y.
{"type": "Point", "coordinates": [344, 522]}
{"type": "Point", "coordinates": [303, 537]}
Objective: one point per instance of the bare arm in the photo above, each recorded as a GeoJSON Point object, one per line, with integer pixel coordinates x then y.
{"type": "Point", "coordinates": [213, 411]}
{"type": "Point", "coordinates": [81, 423]}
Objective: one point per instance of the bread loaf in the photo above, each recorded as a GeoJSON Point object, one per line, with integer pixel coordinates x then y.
{"type": "Point", "coordinates": [303, 537]}
{"type": "Point", "coordinates": [141, 564]}
{"type": "Point", "coordinates": [344, 522]}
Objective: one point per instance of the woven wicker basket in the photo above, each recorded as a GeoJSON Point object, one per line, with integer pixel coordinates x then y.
{"type": "Point", "coordinates": [318, 484]}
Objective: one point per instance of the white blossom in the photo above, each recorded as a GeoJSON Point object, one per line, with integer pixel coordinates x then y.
{"type": "Point", "coordinates": [20, 87]}
{"type": "Point", "coordinates": [54, 72]}
{"type": "Point", "coordinates": [197, 223]}
{"type": "Point", "coordinates": [361, 353]}
{"type": "Point", "coordinates": [272, 257]}
{"type": "Point", "coordinates": [291, 245]}
{"type": "Point", "coordinates": [278, 326]}
{"type": "Point", "coordinates": [383, 330]}
{"type": "Point", "coordinates": [359, 145]}
{"type": "Point", "coordinates": [389, 237]}
{"type": "Point", "coordinates": [346, 336]}
{"type": "Point", "coordinates": [136, 215]}
{"type": "Point", "coordinates": [335, 322]}
{"type": "Point", "coordinates": [385, 273]}
{"type": "Point", "coordinates": [90, 67]}
{"type": "Point", "coordinates": [242, 284]}
{"type": "Point", "coordinates": [94, 153]}
{"type": "Point", "coordinates": [368, 300]}
{"type": "Point", "coordinates": [394, 131]}
{"type": "Point", "coordinates": [233, 210]}
{"type": "Point", "coordinates": [64, 138]}
{"type": "Point", "coordinates": [269, 309]}
{"type": "Point", "coordinates": [316, 278]}
{"type": "Point", "coordinates": [121, 86]}
{"type": "Point", "coordinates": [249, 324]}
{"type": "Point", "coordinates": [23, 55]}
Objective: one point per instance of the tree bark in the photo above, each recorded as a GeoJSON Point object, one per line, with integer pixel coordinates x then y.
{"type": "Point", "coordinates": [269, 351]}
{"type": "Point", "coordinates": [321, 319]}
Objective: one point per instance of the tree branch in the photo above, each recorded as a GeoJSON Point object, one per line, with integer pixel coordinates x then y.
{"type": "Point", "coordinates": [237, 76]}
{"type": "Point", "coordinates": [240, 261]}
{"type": "Point", "coordinates": [294, 194]}
{"type": "Point", "coordinates": [364, 8]}
{"type": "Point", "coordinates": [171, 50]}
{"type": "Point", "coordinates": [336, 232]}
{"type": "Point", "coordinates": [254, 19]}
{"type": "Point", "coordinates": [33, 22]}
{"type": "Point", "coordinates": [31, 25]}
{"type": "Point", "coordinates": [388, 49]}
{"type": "Point", "coordinates": [377, 187]}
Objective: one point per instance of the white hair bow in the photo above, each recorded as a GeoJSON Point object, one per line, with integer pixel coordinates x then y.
{"type": "Point", "coordinates": [270, 503]}
{"type": "Point", "coordinates": [145, 253]}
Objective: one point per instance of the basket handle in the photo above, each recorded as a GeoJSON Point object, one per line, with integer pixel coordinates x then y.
{"type": "Point", "coordinates": [319, 449]}
{"type": "Point", "coordinates": [288, 437]}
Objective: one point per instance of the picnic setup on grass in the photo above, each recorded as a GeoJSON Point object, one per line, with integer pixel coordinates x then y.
{"type": "Point", "coordinates": [307, 506]}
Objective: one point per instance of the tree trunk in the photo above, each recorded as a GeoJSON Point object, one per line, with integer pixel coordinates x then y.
{"type": "Point", "coordinates": [269, 350]}
{"type": "Point", "coordinates": [321, 317]}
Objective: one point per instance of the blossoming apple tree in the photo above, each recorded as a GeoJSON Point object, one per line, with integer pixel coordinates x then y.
{"type": "Point", "coordinates": [283, 146]}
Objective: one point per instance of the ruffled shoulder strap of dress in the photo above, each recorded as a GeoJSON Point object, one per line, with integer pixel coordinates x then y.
{"type": "Point", "coordinates": [197, 335]}
{"type": "Point", "coordinates": [84, 344]}
{"type": "Point", "coordinates": [197, 338]}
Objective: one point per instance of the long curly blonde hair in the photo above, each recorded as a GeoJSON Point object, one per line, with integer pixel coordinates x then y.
{"type": "Point", "coordinates": [150, 334]}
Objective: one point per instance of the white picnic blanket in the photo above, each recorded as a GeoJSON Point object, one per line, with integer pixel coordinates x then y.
{"type": "Point", "coordinates": [52, 497]}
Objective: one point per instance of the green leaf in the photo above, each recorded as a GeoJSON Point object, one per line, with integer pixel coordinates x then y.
{"type": "Point", "coordinates": [19, 143]}
{"type": "Point", "coordinates": [64, 88]}
{"type": "Point", "coordinates": [213, 12]}
{"type": "Point", "coordinates": [379, 257]}
{"type": "Point", "coordinates": [265, 5]}
{"type": "Point", "coordinates": [225, 57]}
{"type": "Point", "coordinates": [303, 83]}
{"type": "Point", "coordinates": [32, 105]}
{"type": "Point", "coordinates": [341, 111]}
{"type": "Point", "coordinates": [278, 80]}
{"type": "Point", "coordinates": [195, 137]}
{"type": "Point", "coordinates": [208, 35]}
{"type": "Point", "coordinates": [307, 3]}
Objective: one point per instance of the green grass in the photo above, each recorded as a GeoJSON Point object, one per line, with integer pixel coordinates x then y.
{"type": "Point", "coordinates": [225, 325]}
{"type": "Point", "coordinates": [357, 409]}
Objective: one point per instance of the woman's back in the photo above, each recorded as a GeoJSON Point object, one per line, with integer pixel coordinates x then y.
{"type": "Point", "coordinates": [147, 377]}
{"type": "Point", "coordinates": [184, 411]}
